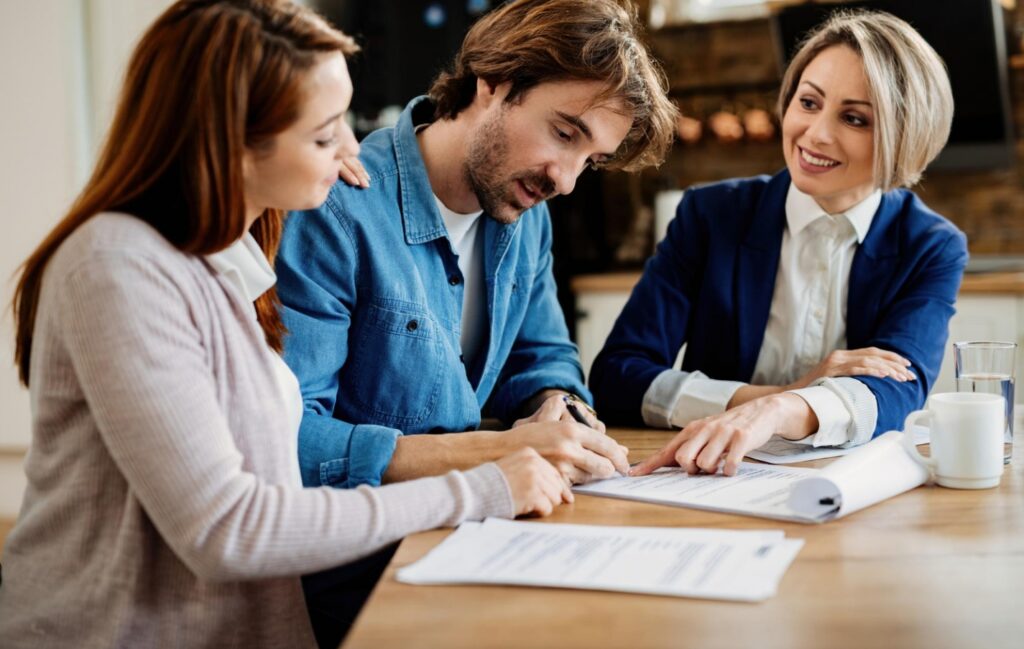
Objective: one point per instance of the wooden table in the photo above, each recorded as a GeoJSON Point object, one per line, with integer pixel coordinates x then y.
{"type": "Point", "coordinates": [933, 567]}
{"type": "Point", "coordinates": [981, 283]}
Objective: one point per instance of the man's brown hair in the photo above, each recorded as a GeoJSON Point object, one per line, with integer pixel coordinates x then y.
{"type": "Point", "coordinates": [530, 42]}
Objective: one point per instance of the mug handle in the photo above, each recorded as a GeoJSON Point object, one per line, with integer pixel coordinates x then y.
{"type": "Point", "coordinates": [908, 439]}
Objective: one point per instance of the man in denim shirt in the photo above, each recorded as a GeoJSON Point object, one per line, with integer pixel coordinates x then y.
{"type": "Point", "coordinates": [426, 297]}
{"type": "Point", "coordinates": [417, 302]}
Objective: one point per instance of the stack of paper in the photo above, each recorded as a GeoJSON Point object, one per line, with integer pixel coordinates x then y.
{"type": "Point", "coordinates": [869, 474]}
{"type": "Point", "coordinates": [715, 564]}
{"type": "Point", "coordinates": [782, 451]}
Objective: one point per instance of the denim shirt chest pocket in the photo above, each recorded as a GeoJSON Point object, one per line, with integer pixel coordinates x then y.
{"type": "Point", "coordinates": [512, 292]}
{"type": "Point", "coordinates": [393, 359]}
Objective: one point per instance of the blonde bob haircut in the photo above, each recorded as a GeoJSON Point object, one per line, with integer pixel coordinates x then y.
{"type": "Point", "coordinates": [910, 94]}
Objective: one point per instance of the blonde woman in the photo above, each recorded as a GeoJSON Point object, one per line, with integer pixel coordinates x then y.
{"type": "Point", "coordinates": [164, 504]}
{"type": "Point", "coordinates": [815, 303]}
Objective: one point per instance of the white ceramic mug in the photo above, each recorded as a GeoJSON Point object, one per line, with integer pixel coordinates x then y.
{"type": "Point", "coordinates": [966, 438]}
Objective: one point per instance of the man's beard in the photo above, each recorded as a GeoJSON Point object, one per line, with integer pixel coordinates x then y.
{"type": "Point", "coordinates": [485, 172]}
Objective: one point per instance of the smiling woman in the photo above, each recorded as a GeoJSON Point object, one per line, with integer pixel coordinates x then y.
{"type": "Point", "coordinates": [828, 132]}
{"type": "Point", "coordinates": [890, 81]}
{"type": "Point", "coordinates": [815, 303]}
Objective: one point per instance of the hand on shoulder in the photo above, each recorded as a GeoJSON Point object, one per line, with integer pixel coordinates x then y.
{"type": "Point", "coordinates": [353, 172]}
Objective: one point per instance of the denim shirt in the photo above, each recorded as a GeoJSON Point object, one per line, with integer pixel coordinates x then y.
{"type": "Point", "coordinates": [372, 299]}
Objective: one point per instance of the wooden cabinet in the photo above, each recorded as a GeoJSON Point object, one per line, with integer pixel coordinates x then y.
{"type": "Point", "coordinates": [596, 312]}
{"type": "Point", "coordinates": [982, 317]}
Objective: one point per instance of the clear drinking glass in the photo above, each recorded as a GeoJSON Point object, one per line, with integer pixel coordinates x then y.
{"type": "Point", "coordinates": [988, 367]}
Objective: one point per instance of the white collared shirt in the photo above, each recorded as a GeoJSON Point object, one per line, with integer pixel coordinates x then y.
{"type": "Point", "coordinates": [245, 266]}
{"type": "Point", "coordinates": [806, 322]}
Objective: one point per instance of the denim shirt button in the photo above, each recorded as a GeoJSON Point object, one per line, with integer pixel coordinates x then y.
{"type": "Point", "coordinates": [412, 325]}
{"type": "Point", "coordinates": [454, 280]}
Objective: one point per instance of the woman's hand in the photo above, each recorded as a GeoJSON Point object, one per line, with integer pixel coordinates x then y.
{"type": "Point", "coordinates": [537, 487]}
{"type": "Point", "coordinates": [869, 361]}
{"type": "Point", "coordinates": [353, 173]}
{"type": "Point", "coordinates": [701, 446]}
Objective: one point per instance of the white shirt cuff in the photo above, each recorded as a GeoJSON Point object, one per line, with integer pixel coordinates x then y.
{"type": "Point", "coordinates": [833, 417]}
{"type": "Point", "coordinates": [676, 398]}
{"type": "Point", "coordinates": [847, 411]}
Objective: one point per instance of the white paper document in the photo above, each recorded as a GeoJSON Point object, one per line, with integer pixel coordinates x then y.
{"type": "Point", "coordinates": [783, 451]}
{"type": "Point", "coordinates": [756, 489]}
{"type": "Point", "coordinates": [687, 562]}
{"type": "Point", "coordinates": [869, 474]}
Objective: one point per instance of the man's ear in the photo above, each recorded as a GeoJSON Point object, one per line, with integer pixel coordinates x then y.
{"type": "Point", "coordinates": [487, 94]}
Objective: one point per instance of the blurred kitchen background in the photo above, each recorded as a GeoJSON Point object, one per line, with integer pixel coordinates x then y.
{"type": "Point", "coordinates": [61, 62]}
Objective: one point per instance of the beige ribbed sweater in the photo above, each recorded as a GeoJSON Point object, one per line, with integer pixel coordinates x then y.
{"type": "Point", "coordinates": [164, 506]}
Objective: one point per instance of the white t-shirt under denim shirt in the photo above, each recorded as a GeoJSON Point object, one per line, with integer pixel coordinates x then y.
{"type": "Point", "coordinates": [806, 322]}
{"type": "Point", "coordinates": [466, 237]}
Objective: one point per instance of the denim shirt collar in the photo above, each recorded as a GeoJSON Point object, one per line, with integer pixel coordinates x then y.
{"type": "Point", "coordinates": [421, 220]}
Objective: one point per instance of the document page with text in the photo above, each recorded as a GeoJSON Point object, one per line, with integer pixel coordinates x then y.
{"type": "Point", "coordinates": [686, 562]}
{"type": "Point", "coordinates": [756, 489]}
{"type": "Point", "coordinates": [782, 451]}
{"type": "Point", "coordinates": [867, 475]}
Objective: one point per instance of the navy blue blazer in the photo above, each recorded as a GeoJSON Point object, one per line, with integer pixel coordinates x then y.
{"type": "Point", "coordinates": [711, 281]}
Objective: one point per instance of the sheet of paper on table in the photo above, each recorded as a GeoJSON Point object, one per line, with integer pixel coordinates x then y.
{"type": "Point", "coordinates": [683, 562]}
{"type": "Point", "coordinates": [869, 474]}
{"type": "Point", "coordinates": [783, 451]}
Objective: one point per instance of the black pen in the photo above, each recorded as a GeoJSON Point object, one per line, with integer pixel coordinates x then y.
{"type": "Point", "coordinates": [570, 405]}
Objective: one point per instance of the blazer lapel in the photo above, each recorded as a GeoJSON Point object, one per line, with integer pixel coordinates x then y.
{"type": "Point", "coordinates": [871, 271]}
{"type": "Point", "coordinates": [756, 268]}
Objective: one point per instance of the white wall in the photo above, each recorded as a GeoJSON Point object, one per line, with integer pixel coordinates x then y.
{"type": "Point", "coordinates": [60, 64]}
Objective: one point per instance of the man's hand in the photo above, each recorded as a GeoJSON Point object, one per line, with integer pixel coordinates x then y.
{"type": "Point", "coordinates": [553, 407]}
{"type": "Point", "coordinates": [578, 452]}
{"type": "Point", "coordinates": [701, 446]}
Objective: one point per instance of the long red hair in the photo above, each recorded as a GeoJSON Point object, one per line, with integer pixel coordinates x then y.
{"type": "Point", "coordinates": [209, 79]}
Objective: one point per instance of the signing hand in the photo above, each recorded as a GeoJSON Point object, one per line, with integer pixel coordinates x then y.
{"type": "Point", "coordinates": [555, 408]}
{"type": "Point", "coordinates": [353, 173]}
{"type": "Point", "coordinates": [578, 452]}
{"type": "Point", "coordinates": [701, 446]}
{"type": "Point", "coordinates": [537, 488]}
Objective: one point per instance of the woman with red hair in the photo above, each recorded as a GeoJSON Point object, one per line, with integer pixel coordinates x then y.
{"type": "Point", "coordinates": [164, 503]}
